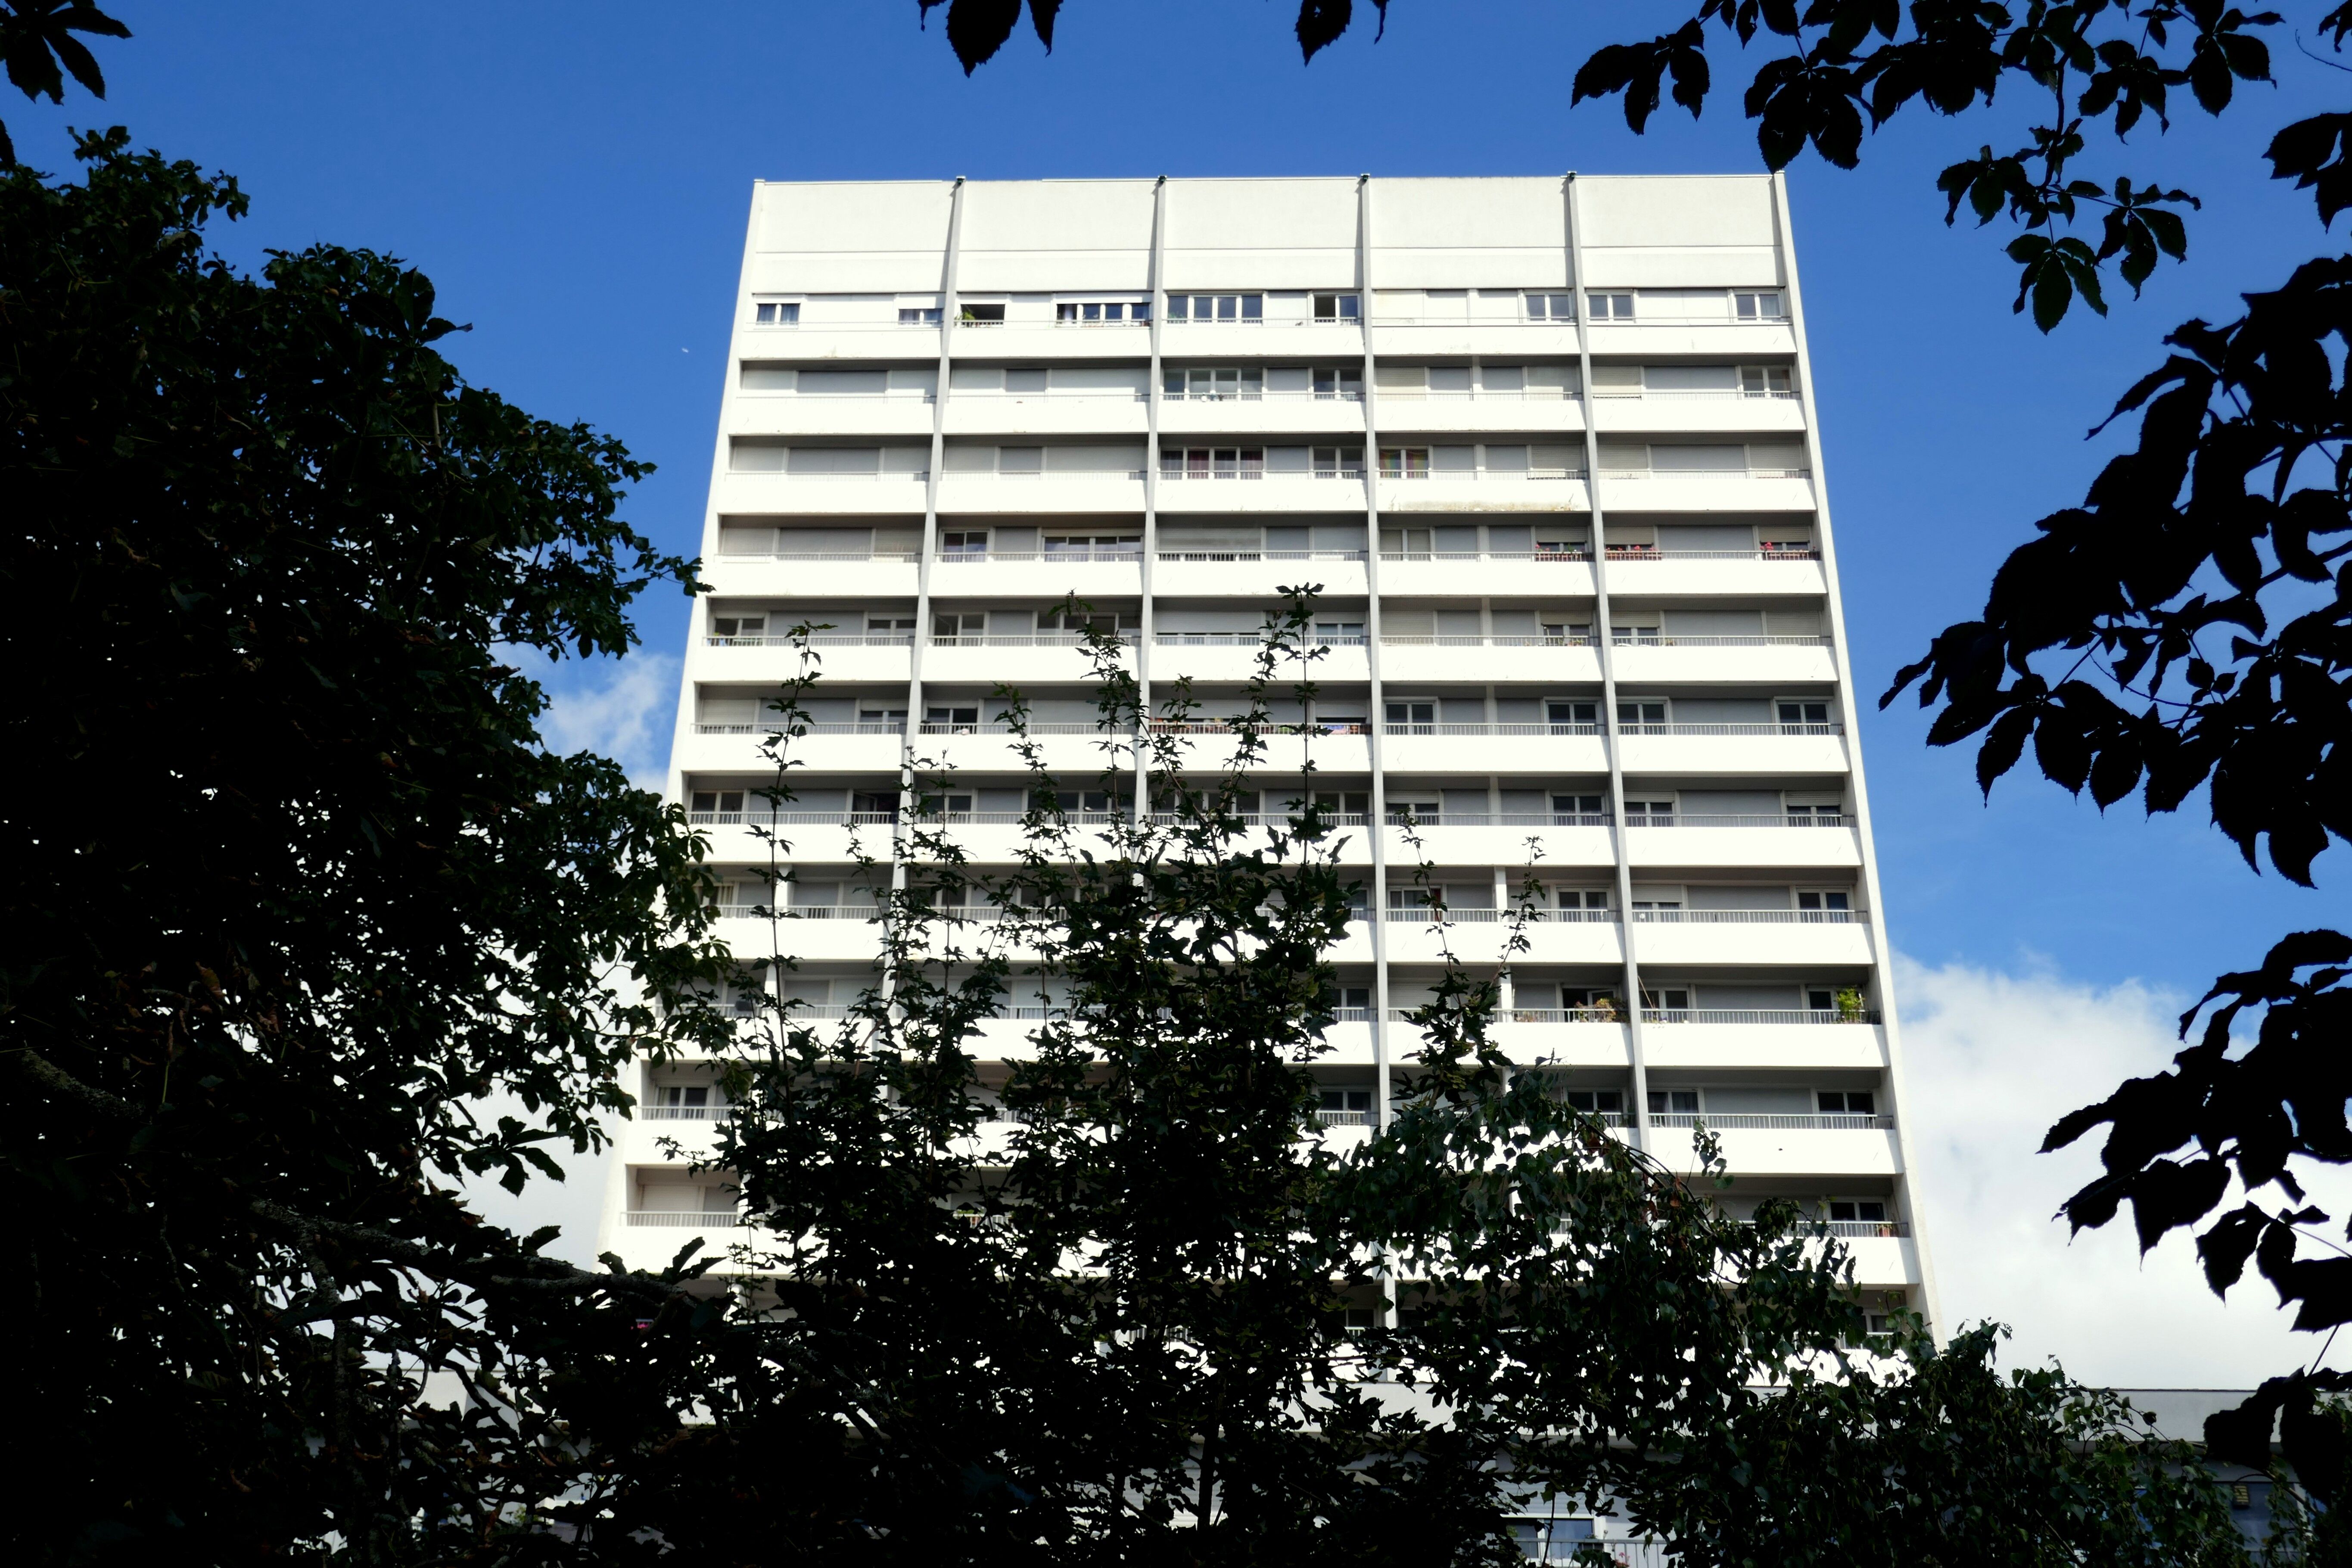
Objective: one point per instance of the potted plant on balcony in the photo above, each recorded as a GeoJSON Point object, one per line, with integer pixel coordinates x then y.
{"type": "Point", "coordinates": [1849, 1004]}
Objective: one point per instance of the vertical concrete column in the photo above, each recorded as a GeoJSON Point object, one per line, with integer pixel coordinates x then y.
{"type": "Point", "coordinates": [1375, 715]}
{"type": "Point", "coordinates": [1880, 952]}
{"type": "Point", "coordinates": [1603, 638]}
{"type": "Point", "coordinates": [1155, 278]}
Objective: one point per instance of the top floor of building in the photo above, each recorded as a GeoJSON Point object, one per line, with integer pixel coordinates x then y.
{"type": "Point", "coordinates": [1237, 252]}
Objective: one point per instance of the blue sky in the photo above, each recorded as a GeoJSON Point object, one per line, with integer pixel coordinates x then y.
{"type": "Point", "coordinates": [575, 177]}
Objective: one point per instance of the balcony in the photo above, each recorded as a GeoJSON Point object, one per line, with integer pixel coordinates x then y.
{"type": "Point", "coordinates": [1752, 489]}
{"type": "Point", "coordinates": [1791, 1123]}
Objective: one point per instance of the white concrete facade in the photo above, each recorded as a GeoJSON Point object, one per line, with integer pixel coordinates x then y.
{"type": "Point", "coordinates": [1549, 446]}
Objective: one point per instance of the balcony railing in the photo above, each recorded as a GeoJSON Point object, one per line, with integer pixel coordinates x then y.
{"type": "Point", "coordinates": [683, 1112]}
{"type": "Point", "coordinates": [1799, 1121]}
{"type": "Point", "coordinates": [786, 553]}
{"type": "Point", "coordinates": [1260, 395]}
{"type": "Point", "coordinates": [1731, 729]}
{"type": "Point", "coordinates": [1343, 1118]}
{"type": "Point", "coordinates": [1045, 473]}
{"type": "Point", "coordinates": [823, 639]}
{"type": "Point", "coordinates": [1563, 552]}
{"type": "Point", "coordinates": [1749, 917]}
{"type": "Point", "coordinates": [809, 727]}
{"type": "Point", "coordinates": [1258, 471]}
{"type": "Point", "coordinates": [685, 1219]}
{"type": "Point", "coordinates": [1216, 555]}
{"type": "Point", "coordinates": [1652, 553]}
{"type": "Point", "coordinates": [1706, 473]}
{"type": "Point", "coordinates": [1887, 1229]}
{"type": "Point", "coordinates": [1131, 554]}
{"type": "Point", "coordinates": [1758, 1016]}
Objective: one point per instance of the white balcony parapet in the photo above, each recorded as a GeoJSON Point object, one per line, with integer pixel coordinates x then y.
{"type": "Point", "coordinates": [1559, 552]}
{"type": "Point", "coordinates": [1829, 729]}
{"type": "Point", "coordinates": [892, 557]}
{"type": "Point", "coordinates": [1652, 553]}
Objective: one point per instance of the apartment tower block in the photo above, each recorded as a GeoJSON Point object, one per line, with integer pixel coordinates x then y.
{"type": "Point", "coordinates": [1548, 447]}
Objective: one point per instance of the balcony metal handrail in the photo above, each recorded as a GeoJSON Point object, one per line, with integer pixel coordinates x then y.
{"type": "Point", "coordinates": [1343, 1118]}
{"type": "Point", "coordinates": [1269, 818]}
{"type": "Point", "coordinates": [877, 473]}
{"type": "Point", "coordinates": [683, 1112]}
{"type": "Point", "coordinates": [1063, 639]}
{"type": "Point", "coordinates": [893, 394]}
{"type": "Point", "coordinates": [1696, 392]}
{"type": "Point", "coordinates": [1652, 553]}
{"type": "Point", "coordinates": [1184, 471]}
{"type": "Point", "coordinates": [1478, 394]}
{"type": "Point", "coordinates": [1247, 554]}
{"type": "Point", "coordinates": [1620, 638]}
{"type": "Point", "coordinates": [814, 726]}
{"type": "Point", "coordinates": [1686, 819]}
{"type": "Point", "coordinates": [1475, 728]}
{"type": "Point", "coordinates": [1445, 914]}
{"type": "Point", "coordinates": [686, 1219]}
{"type": "Point", "coordinates": [1474, 640]}
{"type": "Point", "coordinates": [1706, 473]}
{"type": "Point", "coordinates": [1837, 728]}
{"type": "Point", "coordinates": [1247, 639]}
{"type": "Point", "coordinates": [1286, 395]}
{"type": "Point", "coordinates": [895, 557]}
{"type": "Point", "coordinates": [1400, 818]}
{"type": "Point", "coordinates": [1123, 321]}
{"type": "Point", "coordinates": [1546, 473]}
{"type": "Point", "coordinates": [1129, 553]}
{"type": "Point", "coordinates": [823, 639]}
{"type": "Point", "coordinates": [1005, 727]}
{"type": "Point", "coordinates": [1793, 1122]}
{"type": "Point", "coordinates": [817, 818]}
{"type": "Point", "coordinates": [1757, 1015]}
{"type": "Point", "coordinates": [1229, 727]}
{"type": "Point", "coordinates": [1045, 473]}
{"type": "Point", "coordinates": [1560, 1015]}
{"type": "Point", "coordinates": [1749, 917]}
{"type": "Point", "coordinates": [1059, 393]}
{"type": "Point", "coordinates": [1579, 552]}
{"type": "Point", "coordinates": [1875, 1228]}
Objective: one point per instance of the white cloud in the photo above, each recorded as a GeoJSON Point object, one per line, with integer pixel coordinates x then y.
{"type": "Point", "coordinates": [1990, 1061]}
{"type": "Point", "coordinates": [621, 709]}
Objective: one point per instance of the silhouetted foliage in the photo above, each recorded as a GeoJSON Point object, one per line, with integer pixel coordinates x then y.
{"type": "Point", "coordinates": [39, 50]}
{"type": "Point", "coordinates": [292, 886]}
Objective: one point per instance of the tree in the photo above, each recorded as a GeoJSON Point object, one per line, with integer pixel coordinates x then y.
{"type": "Point", "coordinates": [292, 887]}
{"type": "Point", "coordinates": [1131, 1303]}
{"type": "Point", "coordinates": [38, 47]}
{"type": "Point", "coordinates": [2190, 625]}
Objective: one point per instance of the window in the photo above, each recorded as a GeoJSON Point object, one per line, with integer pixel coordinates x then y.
{"type": "Point", "coordinates": [982, 315]}
{"type": "Point", "coordinates": [918, 315]}
{"type": "Point", "coordinates": [1633, 634]}
{"type": "Point", "coordinates": [678, 1098]}
{"type": "Point", "coordinates": [1585, 900]}
{"type": "Point", "coordinates": [1764, 380]}
{"type": "Point", "coordinates": [1101, 312]}
{"type": "Point", "coordinates": [1339, 462]}
{"type": "Point", "coordinates": [1850, 1103]}
{"type": "Point", "coordinates": [1404, 462]}
{"type": "Point", "coordinates": [1104, 621]}
{"type": "Point", "coordinates": [1820, 999]}
{"type": "Point", "coordinates": [1813, 816]}
{"type": "Point", "coordinates": [1339, 633]}
{"type": "Point", "coordinates": [1217, 385]}
{"type": "Point", "coordinates": [1247, 308]}
{"type": "Point", "coordinates": [1764, 305]}
{"type": "Point", "coordinates": [890, 623]}
{"type": "Point", "coordinates": [722, 802]}
{"type": "Point", "coordinates": [1349, 999]}
{"type": "Point", "coordinates": [776, 313]}
{"type": "Point", "coordinates": [1575, 632]}
{"type": "Point", "coordinates": [971, 543]}
{"type": "Point", "coordinates": [1803, 713]}
{"type": "Point", "coordinates": [1649, 814]}
{"type": "Point", "coordinates": [1338, 307]}
{"type": "Point", "coordinates": [1339, 382]}
{"type": "Point", "coordinates": [1430, 811]}
{"type": "Point", "coordinates": [1576, 806]}
{"type": "Point", "coordinates": [890, 719]}
{"type": "Point", "coordinates": [1822, 903]}
{"type": "Point", "coordinates": [754, 627]}
{"type": "Point", "coordinates": [1596, 1101]}
{"type": "Point", "coordinates": [1674, 1101]}
{"type": "Point", "coordinates": [1641, 712]}
{"type": "Point", "coordinates": [952, 626]}
{"type": "Point", "coordinates": [1552, 308]}
{"type": "Point", "coordinates": [1342, 802]}
{"type": "Point", "coordinates": [1571, 712]}
{"type": "Point", "coordinates": [1349, 1106]}
{"type": "Point", "coordinates": [1867, 1211]}
{"type": "Point", "coordinates": [958, 720]}
{"type": "Point", "coordinates": [1413, 718]}
{"type": "Point", "coordinates": [1609, 306]}
{"type": "Point", "coordinates": [1212, 462]}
